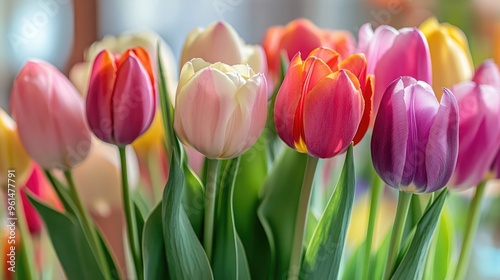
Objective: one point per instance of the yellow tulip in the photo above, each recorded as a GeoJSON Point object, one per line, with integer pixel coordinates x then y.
{"type": "Point", "coordinates": [12, 153]}
{"type": "Point", "coordinates": [450, 56]}
{"type": "Point", "coordinates": [152, 140]}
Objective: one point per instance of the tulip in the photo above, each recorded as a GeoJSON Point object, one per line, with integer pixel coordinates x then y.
{"type": "Point", "coordinates": [394, 53]}
{"type": "Point", "coordinates": [80, 72]}
{"type": "Point", "coordinates": [303, 36]}
{"type": "Point", "coordinates": [219, 42]}
{"type": "Point", "coordinates": [320, 104]}
{"type": "Point", "coordinates": [220, 109]}
{"type": "Point", "coordinates": [12, 153]}
{"type": "Point", "coordinates": [38, 185]}
{"type": "Point", "coordinates": [121, 101]}
{"type": "Point", "coordinates": [450, 55]}
{"type": "Point", "coordinates": [415, 138]}
{"type": "Point", "coordinates": [479, 102]}
{"type": "Point", "coordinates": [50, 116]}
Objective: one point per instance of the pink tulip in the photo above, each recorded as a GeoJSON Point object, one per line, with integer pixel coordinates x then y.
{"type": "Point", "coordinates": [121, 101]}
{"type": "Point", "coordinates": [415, 138]}
{"type": "Point", "coordinates": [394, 53]}
{"type": "Point", "coordinates": [220, 109]}
{"type": "Point", "coordinates": [319, 106]}
{"type": "Point", "coordinates": [479, 102]}
{"type": "Point", "coordinates": [50, 116]}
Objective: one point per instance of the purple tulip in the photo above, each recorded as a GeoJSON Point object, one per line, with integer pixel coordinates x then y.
{"type": "Point", "coordinates": [479, 103]}
{"type": "Point", "coordinates": [415, 138]}
{"type": "Point", "coordinates": [394, 53]}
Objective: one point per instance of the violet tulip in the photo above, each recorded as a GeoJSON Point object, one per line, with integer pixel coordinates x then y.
{"type": "Point", "coordinates": [479, 102]}
{"type": "Point", "coordinates": [394, 53]}
{"type": "Point", "coordinates": [50, 116]}
{"type": "Point", "coordinates": [320, 105]}
{"type": "Point", "coordinates": [415, 138]}
{"type": "Point", "coordinates": [220, 110]}
{"type": "Point", "coordinates": [121, 101]}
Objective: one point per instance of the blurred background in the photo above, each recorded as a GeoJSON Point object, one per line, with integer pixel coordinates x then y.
{"type": "Point", "coordinates": [59, 31]}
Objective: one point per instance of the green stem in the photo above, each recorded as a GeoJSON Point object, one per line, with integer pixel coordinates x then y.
{"type": "Point", "coordinates": [88, 226]}
{"type": "Point", "coordinates": [301, 219]}
{"type": "Point", "coordinates": [376, 193]}
{"type": "Point", "coordinates": [210, 194]}
{"type": "Point", "coordinates": [472, 225]}
{"type": "Point", "coordinates": [26, 244]}
{"type": "Point", "coordinates": [132, 232]}
{"type": "Point", "coordinates": [404, 200]}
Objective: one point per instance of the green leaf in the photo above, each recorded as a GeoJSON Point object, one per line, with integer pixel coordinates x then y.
{"type": "Point", "coordinates": [70, 243]}
{"type": "Point", "coordinates": [324, 253]}
{"type": "Point", "coordinates": [278, 210]}
{"type": "Point", "coordinates": [412, 264]}
{"type": "Point", "coordinates": [153, 246]}
{"type": "Point", "coordinates": [229, 255]}
{"type": "Point", "coordinates": [379, 259]}
{"type": "Point", "coordinates": [186, 258]}
{"type": "Point", "coordinates": [352, 270]}
{"type": "Point", "coordinates": [193, 199]}
{"type": "Point", "coordinates": [249, 181]}
{"type": "Point", "coordinates": [139, 220]}
{"type": "Point", "coordinates": [441, 248]}
{"type": "Point", "coordinates": [312, 223]}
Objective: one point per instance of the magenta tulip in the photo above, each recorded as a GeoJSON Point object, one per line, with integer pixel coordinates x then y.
{"type": "Point", "coordinates": [415, 138]}
{"type": "Point", "coordinates": [394, 53]}
{"type": "Point", "coordinates": [479, 102]}
{"type": "Point", "coordinates": [50, 116]}
{"type": "Point", "coordinates": [121, 101]}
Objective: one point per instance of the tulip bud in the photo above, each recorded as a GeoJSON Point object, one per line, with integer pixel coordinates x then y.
{"type": "Point", "coordinates": [219, 42]}
{"type": "Point", "coordinates": [220, 109]}
{"type": "Point", "coordinates": [320, 105]}
{"type": "Point", "coordinates": [121, 101]}
{"type": "Point", "coordinates": [479, 128]}
{"type": "Point", "coordinates": [387, 47]}
{"type": "Point", "coordinates": [50, 116]}
{"type": "Point", "coordinates": [450, 55]}
{"type": "Point", "coordinates": [415, 138]}
{"type": "Point", "coordinates": [301, 35]}
{"type": "Point", "coordinates": [12, 153]}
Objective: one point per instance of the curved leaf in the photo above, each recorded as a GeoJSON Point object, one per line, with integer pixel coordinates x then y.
{"type": "Point", "coordinates": [412, 264]}
{"type": "Point", "coordinates": [229, 256]}
{"type": "Point", "coordinates": [70, 243]}
{"type": "Point", "coordinates": [186, 258]}
{"type": "Point", "coordinates": [324, 253]}
{"type": "Point", "coordinates": [278, 210]}
{"type": "Point", "coordinates": [153, 246]}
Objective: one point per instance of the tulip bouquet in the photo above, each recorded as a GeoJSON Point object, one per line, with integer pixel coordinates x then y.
{"type": "Point", "coordinates": [236, 166]}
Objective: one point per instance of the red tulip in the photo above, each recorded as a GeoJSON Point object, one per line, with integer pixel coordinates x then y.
{"type": "Point", "coordinates": [121, 100]}
{"type": "Point", "coordinates": [303, 36]}
{"type": "Point", "coordinates": [50, 116]}
{"type": "Point", "coordinates": [320, 105]}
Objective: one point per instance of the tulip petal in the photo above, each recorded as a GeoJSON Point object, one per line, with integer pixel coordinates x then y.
{"type": "Point", "coordinates": [328, 56]}
{"type": "Point", "coordinates": [302, 36]}
{"type": "Point", "coordinates": [287, 101]}
{"type": "Point", "coordinates": [341, 41]}
{"type": "Point", "coordinates": [410, 47]}
{"type": "Point", "coordinates": [100, 95]}
{"type": "Point", "coordinates": [133, 100]}
{"type": "Point", "coordinates": [356, 63]}
{"type": "Point", "coordinates": [442, 149]}
{"type": "Point", "coordinates": [421, 108]}
{"type": "Point", "coordinates": [390, 133]}
{"type": "Point", "coordinates": [332, 112]}
{"type": "Point", "coordinates": [208, 102]}
{"type": "Point", "coordinates": [271, 47]}
{"type": "Point", "coordinates": [479, 132]}
{"type": "Point", "coordinates": [375, 44]}
{"type": "Point", "coordinates": [368, 110]}
{"type": "Point", "coordinates": [487, 73]}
